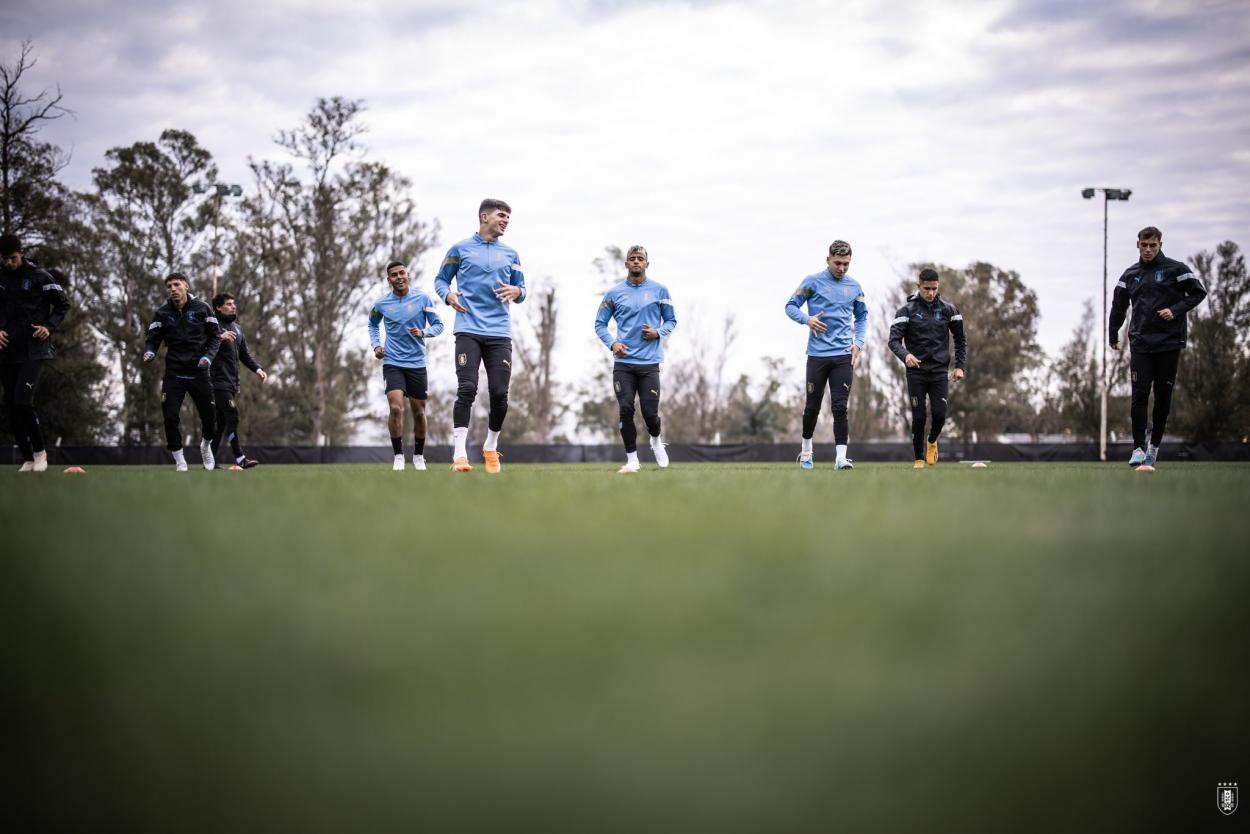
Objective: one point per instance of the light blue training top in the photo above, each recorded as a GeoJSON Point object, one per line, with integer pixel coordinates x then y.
{"type": "Point", "coordinates": [840, 304]}
{"type": "Point", "coordinates": [398, 313]}
{"type": "Point", "coordinates": [635, 305]}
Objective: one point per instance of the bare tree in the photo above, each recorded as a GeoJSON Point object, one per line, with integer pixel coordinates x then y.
{"type": "Point", "coordinates": [26, 164]}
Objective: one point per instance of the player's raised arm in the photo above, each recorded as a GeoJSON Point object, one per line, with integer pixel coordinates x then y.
{"type": "Point", "coordinates": [606, 309]}
{"type": "Point", "coordinates": [668, 316]}
{"type": "Point", "coordinates": [433, 322]}
{"type": "Point", "coordinates": [961, 339]}
{"type": "Point", "coordinates": [1194, 294]}
{"type": "Point", "coordinates": [801, 296]}
{"type": "Point", "coordinates": [898, 330]}
{"type": "Point", "coordinates": [1119, 309]}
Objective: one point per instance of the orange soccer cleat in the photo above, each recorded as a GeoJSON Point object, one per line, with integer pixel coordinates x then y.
{"type": "Point", "coordinates": [492, 461]}
{"type": "Point", "coordinates": [461, 465]}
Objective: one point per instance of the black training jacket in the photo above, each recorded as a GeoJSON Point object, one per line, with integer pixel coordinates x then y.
{"type": "Point", "coordinates": [29, 296]}
{"type": "Point", "coordinates": [924, 330]}
{"type": "Point", "coordinates": [189, 334]}
{"type": "Point", "coordinates": [1150, 287]}
{"type": "Point", "coordinates": [225, 371]}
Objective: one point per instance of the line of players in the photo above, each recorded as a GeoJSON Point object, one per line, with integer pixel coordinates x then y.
{"type": "Point", "coordinates": [204, 347]}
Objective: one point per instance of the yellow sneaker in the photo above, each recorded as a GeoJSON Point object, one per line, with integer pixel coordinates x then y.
{"type": "Point", "coordinates": [492, 462]}
{"type": "Point", "coordinates": [931, 454]}
{"type": "Point", "coordinates": [461, 465]}
{"type": "Point", "coordinates": [918, 465]}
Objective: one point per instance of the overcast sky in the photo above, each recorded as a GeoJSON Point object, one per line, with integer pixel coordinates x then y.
{"type": "Point", "coordinates": [734, 139]}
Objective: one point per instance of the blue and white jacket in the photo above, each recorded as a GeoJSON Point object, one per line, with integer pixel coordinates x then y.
{"type": "Point", "coordinates": [479, 267]}
{"type": "Point", "coordinates": [398, 313]}
{"type": "Point", "coordinates": [635, 305]}
{"type": "Point", "coordinates": [840, 304]}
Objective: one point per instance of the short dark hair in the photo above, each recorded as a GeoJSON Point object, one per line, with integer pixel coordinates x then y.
{"type": "Point", "coordinates": [176, 276]}
{"type": "Point", "coordinates": [9, 243]}
{"type": "Point", "coordinates": [1150, 233]}
{"type": "Point", "coordinates": [490, 204]}
{"type": "Point", "coordinates": [840, 248]}
{"type": "Point", "coordinates": [928, 274]}
{"type": "Point", "coordinates": [221, 298]}
{"type": "Point", "coordinates": [638, 247]}
{"type": "Point", "coordinates": [392, 265]}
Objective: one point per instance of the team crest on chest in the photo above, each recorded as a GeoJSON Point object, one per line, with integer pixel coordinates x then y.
{"type": "Point", "coordinates": [1159, 277]}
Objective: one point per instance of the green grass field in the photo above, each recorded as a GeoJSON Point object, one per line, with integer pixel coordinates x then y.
{"type": "Point", "coordinates": [1030, 647]}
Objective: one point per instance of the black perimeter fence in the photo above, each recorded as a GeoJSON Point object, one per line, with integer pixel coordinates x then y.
{"type": "Point", "coordinates": [678, 452]}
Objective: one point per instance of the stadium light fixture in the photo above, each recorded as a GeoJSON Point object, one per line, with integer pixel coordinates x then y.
{"type": "Point", "coordinates": [1109, 194]}
{"type": "Point", "coordinates": [217, 190]}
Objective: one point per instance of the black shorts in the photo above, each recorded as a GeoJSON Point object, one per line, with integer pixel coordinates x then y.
{"type": "Point", "coordinates": [409, 380]}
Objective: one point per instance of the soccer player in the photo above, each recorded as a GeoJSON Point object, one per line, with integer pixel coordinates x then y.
{"type": "Point", "coordinates": [837, 318]}
{"type": "Point", "coordinates": [920, 336]}
{"type": "Point", "coordinates": [32, 306]}
{"type": "Point", "coordinates": [644, 315]}
{"type": "Point", "coordinates": [225, 377]}
{"type": "Point", "coordinates": [1161, 291]}
{"type": "Point", "coordinates": [488, 278]}
{"type": "Point", "coordinates": [410, 319]}
{"type": "Point", "coordinates": [192, 337]}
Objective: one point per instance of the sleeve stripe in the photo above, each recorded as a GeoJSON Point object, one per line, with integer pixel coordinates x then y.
{"type": "Point", "coordinates": [957, 317]}
{"type": "Point", "coordinates": [430, 310]}
{"type": "Point", "coordinates": [1120, 285]}
{"type": "Point", "coordinates": [450, 260]}
{"type": "Point", "coordinates": [859, 297]}
{"type": "Point", "coordinates": [900, 320]}
{"type": "Point", "coordinates": [58, 287]}
{"type": "Point", "coordinates": [154, 325]}
{"type": "Point", "coordinates": [213, 319]}
{"type": "Point", "coordinates": [667, 301]}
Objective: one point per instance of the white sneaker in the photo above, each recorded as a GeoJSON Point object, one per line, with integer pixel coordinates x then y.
{"type": "Point", "coordinates": [27, 466]}
{"type": "Point", "coordinates": [418, 462]}
{"type": "Point", "coordinates": [398, 465]}
{"type": "Point", "coordinates": [180, 466]}
{"type": "Point", "coordinates": [40, 463]}
{"type": "Point", "coordinates": [629, 469]}
{"type": "Point", "coordinates": [661, 456]}
{"type": "Point", "coordinates": [206, 452]}
{"type": "Point", "coordinates": [845, 463]}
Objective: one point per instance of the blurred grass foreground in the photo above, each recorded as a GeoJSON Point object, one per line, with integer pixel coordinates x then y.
{"type": "Point", "coordinates": [1031, 647]}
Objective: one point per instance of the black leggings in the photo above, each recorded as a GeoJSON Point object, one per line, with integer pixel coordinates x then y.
{"type": "Point", "coordinates": [495, 352]}
{"type": "Point", "coordinates": [19, 382]}
{"type": "Point", "coordinates": [227, 415]}
{"type": "Point", "coordinates": [1158, 371]}
{"type": "Point", "coordinates": [836, 373]}
{"type": "Point", "coordinates": [642, 381]}
{"type": "Point", "coordinates": [935, 386]}
{"type": "Point", "coordinates": [173, 389]}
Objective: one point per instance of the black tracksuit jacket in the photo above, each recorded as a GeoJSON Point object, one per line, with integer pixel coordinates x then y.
{"type": "Point", "coordinates": [225, 371]}
{"type": "Point", "coordinates": [1149, 287]}
{"type": "Point", "coordinates": [924, 331]}
{"type": "Point", "coordinates": [29, 296]}
{"type": "Point", "coordinates": [189, 334]}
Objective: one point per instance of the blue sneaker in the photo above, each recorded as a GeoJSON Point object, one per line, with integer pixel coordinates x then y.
{"type": "Point", "coordinates": [1152, 453]}
{"type": "Point", "coordinates": [1137, 459]}
{"type": "Point", "coordinates": [805, 460]}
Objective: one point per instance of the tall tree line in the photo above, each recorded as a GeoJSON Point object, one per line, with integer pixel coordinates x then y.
{"type": "Point", "coordinates": [304, 248]}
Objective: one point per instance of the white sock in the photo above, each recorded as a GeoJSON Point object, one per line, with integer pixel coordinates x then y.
{"type": "Point", "coordinates": [632, 458]}
{"type": "Point", "coordinates": [841, 451]}
{"type": "Point", "coordinates": [657, 441]}
{"type": "Point", "coordinates": [492, 441]}
{"type": "Point", "coordinates": [240, 458]}
{"type": "Point", "coordinates": [179, 456]}
{"type": "Point", "coordinates": [460, 434]}
{"type": "Point", "coordinates": [807, 445]}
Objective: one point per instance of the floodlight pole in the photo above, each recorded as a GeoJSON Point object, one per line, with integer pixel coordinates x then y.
{"type": "Point", "coordinates": [1108, 194]}
{"type": "Point", "coordinates": [1102, 420]}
